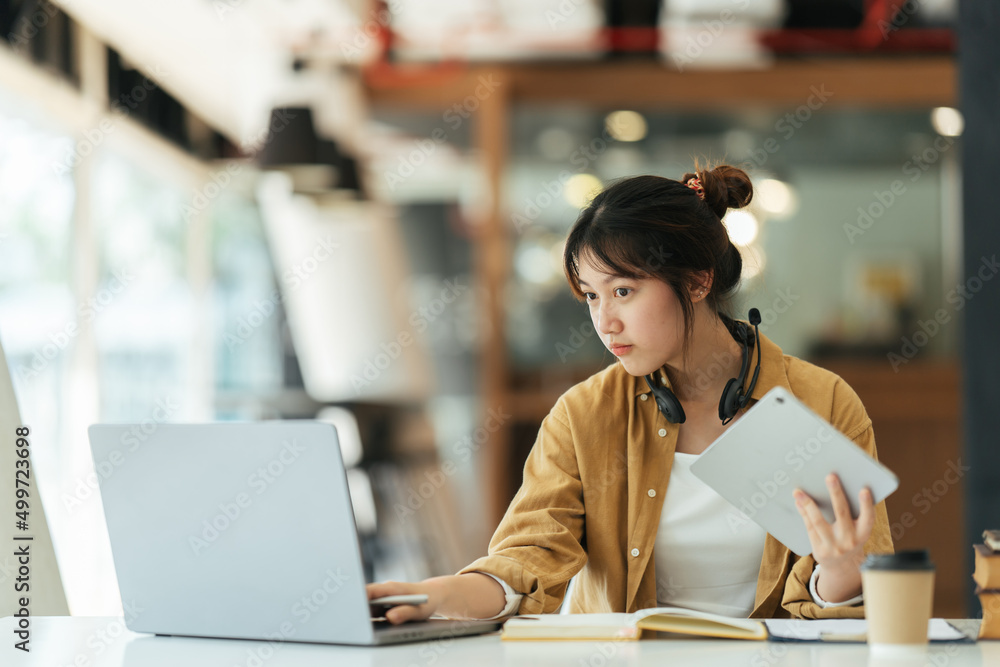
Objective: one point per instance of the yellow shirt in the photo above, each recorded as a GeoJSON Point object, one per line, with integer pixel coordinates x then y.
{"type": "Point", "coordinates": [594, 484]}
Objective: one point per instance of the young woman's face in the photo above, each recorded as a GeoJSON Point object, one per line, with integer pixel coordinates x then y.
{"type": "Point", "coordinates": [640, 320]}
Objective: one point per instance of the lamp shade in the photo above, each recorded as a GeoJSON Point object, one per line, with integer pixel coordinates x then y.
{"type": "Point", "coordinates": [291, 139]}
{"type": "Point", "coordinates": [317, 165]}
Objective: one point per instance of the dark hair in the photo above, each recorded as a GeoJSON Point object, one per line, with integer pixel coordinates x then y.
{"type": "Point", "coordinates": [655, 227]}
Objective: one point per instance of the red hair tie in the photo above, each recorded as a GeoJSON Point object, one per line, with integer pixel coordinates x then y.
{"type": "Point", "coordinates": [695, 184]}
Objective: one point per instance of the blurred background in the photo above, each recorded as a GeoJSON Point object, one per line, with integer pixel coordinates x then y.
{"type": "Point", "coordinates": [355, 211]}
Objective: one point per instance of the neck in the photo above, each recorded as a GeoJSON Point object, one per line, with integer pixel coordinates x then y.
{"type": "Point", "coordinates": [712, 358]}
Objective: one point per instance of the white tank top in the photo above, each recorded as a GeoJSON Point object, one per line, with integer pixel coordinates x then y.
{"type": "Point", "coordinates": [707, 553]}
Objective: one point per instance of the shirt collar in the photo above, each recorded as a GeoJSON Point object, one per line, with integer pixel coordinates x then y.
{"type": "Point", "coordinates": [772, 371]}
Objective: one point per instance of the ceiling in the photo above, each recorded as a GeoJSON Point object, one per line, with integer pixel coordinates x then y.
{"type": "Point", "coordinates": [227, 61]}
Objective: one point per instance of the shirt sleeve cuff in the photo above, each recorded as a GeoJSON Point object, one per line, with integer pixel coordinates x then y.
{"type": "Point", "coordinates": [823, 603]}
{"type": "Point", "coordinates": [513, 598]}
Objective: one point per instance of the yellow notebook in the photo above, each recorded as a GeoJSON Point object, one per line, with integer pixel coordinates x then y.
{"type": "Point", "coordinates": [631, 626]}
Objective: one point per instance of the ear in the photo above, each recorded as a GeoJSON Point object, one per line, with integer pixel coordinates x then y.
{"type": "Point", "coordinates": [701, 284]}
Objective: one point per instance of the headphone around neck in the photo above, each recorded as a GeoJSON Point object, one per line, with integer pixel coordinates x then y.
{"type": "Point", "coordinates": [733, 398]}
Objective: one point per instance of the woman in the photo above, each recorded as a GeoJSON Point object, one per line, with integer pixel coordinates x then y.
{"type": "Point", "coordinates": [607, 492]}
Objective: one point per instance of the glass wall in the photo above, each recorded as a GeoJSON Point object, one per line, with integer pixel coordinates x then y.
{"type": "Point", "coordinates": [117, 304]}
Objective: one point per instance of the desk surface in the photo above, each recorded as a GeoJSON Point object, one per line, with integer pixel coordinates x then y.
{"type": "Point", "coordinates": [83, 641]}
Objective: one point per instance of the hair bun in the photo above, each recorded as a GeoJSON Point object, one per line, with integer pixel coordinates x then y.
{"type": "Point", "coordinates": [725, 186]}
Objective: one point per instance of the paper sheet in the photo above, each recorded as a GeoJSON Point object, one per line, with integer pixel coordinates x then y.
{"type": "Point", "coordinates": [847, 629]}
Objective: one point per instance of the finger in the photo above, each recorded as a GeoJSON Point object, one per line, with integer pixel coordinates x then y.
{"type": "Point", "coordinates": [841, 508]}
{"type": "Point", "coordinates": [405, 612]}
{"type": "Point", "coordinates": [866, 518]}
{"type": "Point", "coordinates": [816, 525]}
{"type": "Point", "coordinates": [384, 588]}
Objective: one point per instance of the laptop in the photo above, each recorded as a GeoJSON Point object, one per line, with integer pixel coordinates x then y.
{"type": "Point", "coordinates": [780, 445]}
{"type": "Point", "coordinates": [241, 530]}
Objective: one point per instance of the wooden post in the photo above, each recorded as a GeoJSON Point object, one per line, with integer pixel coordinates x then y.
{"type": "Point", "coordinates": [492, 261]}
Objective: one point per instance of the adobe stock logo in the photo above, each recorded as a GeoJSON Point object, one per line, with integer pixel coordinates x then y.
{"type": "Point", "coordinates": [462, 450]}
{"type": "Point", "coordinates": [767, 490]}
{"type": "Point", "coordinates": [419, 320]}
{"type": "Point", "coordinates": [958, 298]}
{"type": "Point", "coordinates": [232, 509]}
{"type": "Point", "coordinates": [163, 411]}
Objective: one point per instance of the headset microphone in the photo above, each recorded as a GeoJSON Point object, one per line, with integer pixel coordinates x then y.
{"type": "Point", "coordinates": [733, 398]}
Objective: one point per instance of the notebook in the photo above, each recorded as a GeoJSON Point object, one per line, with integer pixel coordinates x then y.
{"type": "Point", "coordinates": [240, 530]}
{"type": "Point", "coordinates": [622, 626]}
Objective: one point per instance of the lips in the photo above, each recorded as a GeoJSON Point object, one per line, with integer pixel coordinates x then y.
{"type": "Point", "coordinates": [619, 350]}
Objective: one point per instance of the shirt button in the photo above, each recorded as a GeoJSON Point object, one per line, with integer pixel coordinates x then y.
{"type": "Point", "coordinates": [635, 552]}
{"type": "Point", "coordinates": [662, 432]}
{"type": "Point", "coordinates": [644, 396]}
{"type": "Point", "coordinates": [651, 493]}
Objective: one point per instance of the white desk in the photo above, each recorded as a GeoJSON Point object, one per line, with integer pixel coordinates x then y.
{"type": "Point", "coordinates": [104, 642]}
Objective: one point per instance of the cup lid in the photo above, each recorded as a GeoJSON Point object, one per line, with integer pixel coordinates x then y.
{"type": "Point", "coordinates": [915, 559]}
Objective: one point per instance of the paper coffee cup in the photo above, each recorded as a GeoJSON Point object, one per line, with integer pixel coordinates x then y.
{"type": "Point", "coordinates": [899, 595]}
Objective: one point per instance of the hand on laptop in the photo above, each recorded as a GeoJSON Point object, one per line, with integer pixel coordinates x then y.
{"type": "Point", "coordinates": [471, 595]}
{"type": "Point", "coordinates": [404, 612]}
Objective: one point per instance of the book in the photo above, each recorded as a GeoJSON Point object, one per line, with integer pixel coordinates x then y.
{"type": "Point", "coordinates": [992, 539]}
{"type": "Point", "coordinates": [989, 628]}
{"type": "Point", "coordinates": [987, 571]}
{"type": "Point", "coordinates": [622, 626]}
{"type": "Point", "coordinates": [987, 576]}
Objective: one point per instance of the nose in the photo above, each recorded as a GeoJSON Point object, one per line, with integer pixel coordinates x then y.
{"type": "Point", "coordinates": [605, 319]}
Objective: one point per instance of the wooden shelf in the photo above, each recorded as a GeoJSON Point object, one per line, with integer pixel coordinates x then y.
{"type": "Point", "coordinates": [899, 81]}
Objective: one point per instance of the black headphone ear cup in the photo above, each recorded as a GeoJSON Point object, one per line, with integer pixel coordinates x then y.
{"type": "Point", "coordinates": [729, 401]}
{"type": "Point", "coordinates": [668, 404]}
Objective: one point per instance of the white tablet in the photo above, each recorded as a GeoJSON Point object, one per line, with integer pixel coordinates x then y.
{"type": "Point", "coordinates": [780, 445]}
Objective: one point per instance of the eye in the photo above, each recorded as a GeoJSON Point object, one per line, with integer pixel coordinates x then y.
{"type": "Point", "coordinates": [589, 296]}
{"type": "Point", "coordinates": [623, 291]}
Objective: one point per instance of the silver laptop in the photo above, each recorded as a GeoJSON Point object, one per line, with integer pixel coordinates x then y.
{"type": "Point", "coordinates": [240, 530]}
